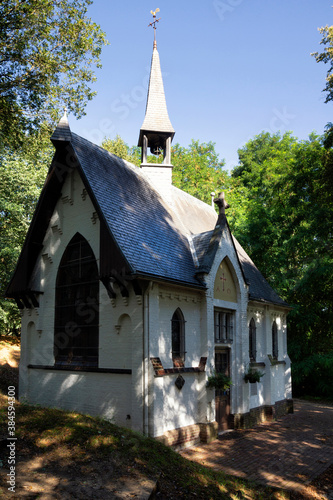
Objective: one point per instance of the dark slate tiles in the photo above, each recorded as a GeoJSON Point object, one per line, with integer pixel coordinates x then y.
{"type": "Point", "coordinates": [136, 215]}
{"type": "Point", "coordinates": [152, 235]}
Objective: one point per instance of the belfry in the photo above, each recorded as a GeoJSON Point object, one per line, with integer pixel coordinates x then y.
{"type": "Point", "coordinates": [156, 132]}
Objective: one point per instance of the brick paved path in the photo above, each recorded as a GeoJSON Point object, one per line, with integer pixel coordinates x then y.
{"type": "Point", "coordinates": [288, 453]}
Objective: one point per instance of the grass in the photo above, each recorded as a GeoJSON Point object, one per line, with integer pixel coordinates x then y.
{"type": "Point", "coordinates": [68, 446]}
{"type": "Point", "coordinates": [67, 438]}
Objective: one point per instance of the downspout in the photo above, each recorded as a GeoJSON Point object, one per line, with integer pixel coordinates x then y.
{"type": "Point", "coordinates": [145, 360]}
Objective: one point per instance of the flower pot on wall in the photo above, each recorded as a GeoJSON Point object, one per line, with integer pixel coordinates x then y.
{"type": "Point", "coordinates": [253, 376]}
{"type": "Point", "coordinates": [218, 381]}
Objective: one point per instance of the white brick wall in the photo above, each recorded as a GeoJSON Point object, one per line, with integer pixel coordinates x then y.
{"type": "Point", "coordinates": [92, 393]}
{"type": "Point", "coordinates": [160, 176]}
{"type": "Point", "coordinates": [171, 407]}
{"type": "Point", "coordinates": [114, 396]}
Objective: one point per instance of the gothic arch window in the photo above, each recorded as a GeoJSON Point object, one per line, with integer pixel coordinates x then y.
{"type": "Point", "coordinates": [77, 306]}
{"type": "Point", "coordinates": [275, 346]}
{"type": "Point", "coordinates": [252, 340]}
{"type": "Point", "coordinates": [178, 337]}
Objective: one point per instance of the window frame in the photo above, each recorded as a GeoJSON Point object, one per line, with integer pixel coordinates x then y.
{"type": "Point", "coordinates": [275, 341]}
{"type": "Point", "coordinates": [178, 337]}
{"type": "Point", "coordinates": [76, 308]}
{"type": "Point", "coordinates": [224, 320]}
{"type": "Point", "coordinates": [252, 340]}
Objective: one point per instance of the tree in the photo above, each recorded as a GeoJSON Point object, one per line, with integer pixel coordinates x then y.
{"type": "Point", "coordinates": [286, 227]}
{"type": "Point", "coordinates": [327, 57]}
{"type": "Point", "coordinates": [22, 174]}
{"type": "Point", "coordinates": [118, 147]}
{"type": "Point", "coordinates": [198, 170]}
{"type": "Point", "coordinates": [48, 52]}
{"type": "Point", "coordinates": [264, 163]}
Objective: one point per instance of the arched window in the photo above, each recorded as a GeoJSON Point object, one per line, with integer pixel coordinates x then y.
{"type": "Point", "coordinates": [77, 306]}
{"type": "Point", "coordinates": [275, 346]}
{"type": "Point", "coordinates": [178, 336]}
{"type": "Point", "coordinates": [252, 340]}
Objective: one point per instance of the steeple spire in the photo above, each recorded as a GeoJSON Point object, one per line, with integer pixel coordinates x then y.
{"type": "Point", "coordinates": [156, 131]}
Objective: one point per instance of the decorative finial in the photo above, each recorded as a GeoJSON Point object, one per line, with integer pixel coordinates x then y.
{"type": "Point", "coordinates": [65, 112]}
{"type": "Point", "coordinates": [212, 196]}
{"type": "Point", "coordinates": [153, 24]}
{"type": "Point", "coordinates": [221, 203]}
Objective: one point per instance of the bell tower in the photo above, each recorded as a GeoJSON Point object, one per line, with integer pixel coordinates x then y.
{"type": "Point", "coordinates": [156, 132]}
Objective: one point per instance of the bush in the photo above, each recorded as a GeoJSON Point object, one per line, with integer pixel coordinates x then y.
{"type": "Point", "coordinates": [313, 376]}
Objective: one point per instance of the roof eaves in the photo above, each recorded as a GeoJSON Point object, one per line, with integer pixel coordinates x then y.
{"type": "Point", "coordinates": [162, 279]}
{"type": "Point", "coordinates": [281, 304]}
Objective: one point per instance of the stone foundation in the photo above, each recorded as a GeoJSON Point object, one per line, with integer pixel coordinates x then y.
{"type": "Point", "coordinates": [189, 435]}
{"type": "Point", "coordinates": [261, 414]}
{"type": "Point", "coordinates": [208, 432]}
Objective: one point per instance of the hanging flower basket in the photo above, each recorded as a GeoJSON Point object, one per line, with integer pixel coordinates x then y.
{"type": "Point", "coordinates": [253, 375]}
{"type": "Point", "coordinates": [218, 381]}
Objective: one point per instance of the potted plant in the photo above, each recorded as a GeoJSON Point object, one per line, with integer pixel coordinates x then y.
{"type": "Point", "coordinates": [253, 375]}
{"type": "Point", "coordinates": [218, 381]}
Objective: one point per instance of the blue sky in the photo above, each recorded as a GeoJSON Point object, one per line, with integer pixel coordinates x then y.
{"type": "Point", "coordinates": [231, 69]}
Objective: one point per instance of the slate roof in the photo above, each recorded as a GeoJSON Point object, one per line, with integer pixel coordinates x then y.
{"type": "Point", "coordinates": [160, 237]}
{"type": "Point", "coordinates": [156, 237]}
{"type": "Point", "coordinates": [152, 235]}
{"type": "Point", "coordinates": [62, 132]}
{"type": "Point", "coordinates": [259, 288]}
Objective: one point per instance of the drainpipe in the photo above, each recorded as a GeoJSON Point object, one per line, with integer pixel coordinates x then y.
{"type": "Point", "coordinates": [145, 360]}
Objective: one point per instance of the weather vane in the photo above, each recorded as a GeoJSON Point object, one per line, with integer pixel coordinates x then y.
{"type": "Point", "coordinates": [153, 24]}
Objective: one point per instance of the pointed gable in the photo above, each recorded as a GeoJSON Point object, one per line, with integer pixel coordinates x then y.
{"type": "Point", "coordinates": [224, 285]}
{"type": "Point", "coordinates": [206, 245]}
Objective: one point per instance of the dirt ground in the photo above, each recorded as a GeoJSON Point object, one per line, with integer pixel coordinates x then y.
{"type": "Point", "coordinates": [10, 354]}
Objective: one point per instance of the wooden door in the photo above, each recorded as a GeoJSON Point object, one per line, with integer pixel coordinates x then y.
{"type": "Point", "coordinates": [222, 398]}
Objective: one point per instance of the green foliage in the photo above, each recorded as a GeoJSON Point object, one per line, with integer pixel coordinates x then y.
{"type": "Point", "coordinates": [327, 58]}
{"type": "Point", "coordinates": [22, 174]}
{"type": "Point", "coordinates": [198, 170]}
{"type": "Point", "coordinates": [118, 147]}
{"type": "Point", "coordinates": [252, 375]}
{"type": "Point", "coordinates": [48, 52]}
{"type": "Point", "coordinates": [313, 375]}
{"type": "Point", "coordinates": [219, 381]}
{"type": "Point", "coordinates": [285, 225]}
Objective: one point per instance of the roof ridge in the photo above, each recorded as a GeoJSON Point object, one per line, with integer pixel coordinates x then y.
{"type": "Point", "coordinates": [197, 200]}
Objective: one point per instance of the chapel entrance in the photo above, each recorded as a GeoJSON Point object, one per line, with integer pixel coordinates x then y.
{"type": "Point", "coordinates": [222, 398]}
